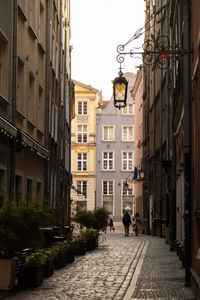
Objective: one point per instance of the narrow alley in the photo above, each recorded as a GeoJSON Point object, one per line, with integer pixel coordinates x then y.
{"type": "Point", "coordinates": [127, 268]}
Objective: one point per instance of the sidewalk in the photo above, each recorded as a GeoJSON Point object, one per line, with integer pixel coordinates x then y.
{"type": "Point", "coordinates": [160, 275]}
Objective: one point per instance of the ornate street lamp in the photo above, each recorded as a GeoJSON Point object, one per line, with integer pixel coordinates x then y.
{"type": "Point", "coordinates": [120, 86]}
{"type": "Point", "coordinates": [141, 174]}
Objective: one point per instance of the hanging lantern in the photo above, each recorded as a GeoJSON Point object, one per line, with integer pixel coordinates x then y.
{"type": "Point", "coordinates": [120, 86]}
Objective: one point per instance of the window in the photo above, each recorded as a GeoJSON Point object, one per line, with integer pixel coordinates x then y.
{"type": "Point", "coordinates": [82, 162]}
{"type": "Point", "coordinates": [127, 133]}
{"type": "Point", "coordinates": [128, 110]}
{"type": "Point", "coordinates": [127, 161]}
{"type": "Point", "coordinates": [82, 187]}
{"type": "Point", "coordinates": [108, 205]}
{"type": "Point", "coordinates": [82, 205]}
{"type": "Point", "coordinates": [40, 119]}
{"type": "Point", "coordinates": [82, 133]}
{"type": "Point", "coordinates": [29, 191]}
{"type": "Point", "coordinates": [127, 190]}
{"type": "Point", "coordinates": [32, 14]}
{"type": "Point", "coordinates": [108, 161]}
{"type": "Point", "coordinates": [108, 188]}
{"type": "Point", "coordinates": [108, 133]}
{"type": "Point", "coordinates": [20, 86]}
{"type": "Point", "coordinates": [39, 192]}
{"type": "Point", "coordinates": [82, 108]}
{"type": "Point", "coordinates": [2, 186]}
{"type": "Point", "coordinates": [42, 25]}
{"type": "Point", "coordinates": [18, 188]}
{"type": "Point", "coordinates": [31, 98]}
{"type": "Point", "coordinates": [128, 206]}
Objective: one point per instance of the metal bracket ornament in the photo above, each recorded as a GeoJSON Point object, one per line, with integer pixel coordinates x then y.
{"type": "Point", "coordinates": [156, 52]}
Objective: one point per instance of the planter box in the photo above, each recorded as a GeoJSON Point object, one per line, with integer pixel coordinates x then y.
{"type": "Point", "coordinates": [91, 244]}
{"type": "Point", "coordinates": [81, 248]}
{"type": "Point", "coordinates": [7, 273]}
{"type": "Point", "coordinates": [62, 259]}
{"type": "Point", "coordinates": [30, 277]}
{"type": "Point", "coordinates": [49, 268]}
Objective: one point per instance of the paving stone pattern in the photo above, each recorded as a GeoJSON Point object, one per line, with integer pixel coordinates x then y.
{"type": "Point", "coordinates": [107, 273]}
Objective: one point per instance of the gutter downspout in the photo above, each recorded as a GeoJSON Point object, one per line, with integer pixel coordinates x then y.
{"type": "Point", "coordinates": [154, 138]}
{"type": "Point", "coordinates": [47, 104]}
{"type": "Point", "coordinates": [14, 99]}
{"type": "Point", "coordinates": [187, 138]}
{"type": "Point", "coordinates": [60, 108]}
{"type": "Point", "coordinates": [65, 125]}
{"type": "Point", "coordinates": [161, 168]}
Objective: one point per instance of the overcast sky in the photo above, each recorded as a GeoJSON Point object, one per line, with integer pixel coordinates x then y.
{"type": "Point", "coordinates": [97, 28]}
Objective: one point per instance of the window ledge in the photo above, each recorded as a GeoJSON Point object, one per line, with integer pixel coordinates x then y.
{"type": "Point", "coordinates": [39, 131]}
{"type": "Point", "coordinates": [32, 32]}
{"type": "Point", "coordinates": [30, 123]}
{"type": "Point", "coordinates": [41, 48]}
{"type": "Point", "coordinates": [20, 115]}
{"type": "Point", "coordinates": [3, 100]}
{"type": "Point", "coordinates": [21, 13]}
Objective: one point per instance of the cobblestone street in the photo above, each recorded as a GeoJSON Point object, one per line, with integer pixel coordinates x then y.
{"type": "Point", "coordinates": [121, 268]}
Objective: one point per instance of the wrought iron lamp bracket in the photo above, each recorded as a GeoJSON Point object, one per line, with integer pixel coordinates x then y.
{"type": "Point", "coordinates": [156, 52]}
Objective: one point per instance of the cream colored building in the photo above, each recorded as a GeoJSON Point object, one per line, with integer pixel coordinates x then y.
{"type": "Point", "coordinates": [35, 100]}
{"type": "Point", "coordinates": [84, 146]}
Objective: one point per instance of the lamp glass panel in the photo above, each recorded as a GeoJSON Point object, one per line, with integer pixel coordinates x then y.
{"type": "Point", "coordinates": [120, 90]}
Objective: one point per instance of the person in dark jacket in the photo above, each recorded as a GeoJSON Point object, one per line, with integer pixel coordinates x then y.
{"type": "Point", "coordinates": [111, 224]}
{"type": "Point", "coordinates": [126, 221]}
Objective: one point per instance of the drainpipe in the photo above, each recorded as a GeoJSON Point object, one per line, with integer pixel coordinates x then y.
{"type": "Point", "coordinates": [154, 137]}
{"type": "Point", "coordinates": [65, 124]}
{"type": "Point", "coordinates": [71, 88]}
{"type": "Point", "coordinates": [47, 104]}
{"type": "Point", "coordinates": [187, 138]}
{"type": "Point", "coordinates": [60, 108]}
{"type": "Point", "coordinates": [14, 99]}
{"type": "Point", "coordinates": [161, 177]}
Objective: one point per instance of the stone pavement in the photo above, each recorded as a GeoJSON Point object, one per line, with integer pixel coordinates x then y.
{"type": "Point", "coordinates": [122, 268]}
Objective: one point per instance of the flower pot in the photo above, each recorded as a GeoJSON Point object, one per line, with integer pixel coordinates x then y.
{"type": "Point", "coordinates": [49, 268]}
{"type": "Point", "coordinates": [30, 277]}
{"type": "Point", "coordinates": [60, 261]}
{"type": "Point", "coordinates": [7, 273]}
{"type": "Point", "coordinates": [81, 248]}
{"type": "Point", "coordinates": [63, 258]}
{"type": "Point", "coordinates": [91, 244]}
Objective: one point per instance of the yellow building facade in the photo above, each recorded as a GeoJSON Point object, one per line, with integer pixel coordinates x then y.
{"type": "Point", "coordinates": [83, 146]}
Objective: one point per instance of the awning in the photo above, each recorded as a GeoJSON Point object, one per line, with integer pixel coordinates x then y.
{"type": "Point", "coordinates": [34, 146]}
{"type": "Point", "coordinates": [7, 129]}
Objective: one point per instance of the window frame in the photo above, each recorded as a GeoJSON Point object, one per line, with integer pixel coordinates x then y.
{"type": "Point", "coordinates": [126, 110]}
{"type": "Point", "coordinates": [109, 186]}
{"type": "Point", "coordinates": [108, 161]}
{"type": "Point", "coordinates": [82, 108]}
{"type": "Point", "coordinates": [82, 133]}
{"type": "Point", "coordinates": [103, 133]}
{"type": "Point", "coordinates": [128, 139]}
{"type": "Point", "coordinates": [82, 161]}
{"type": "Point", "coordinates": [128, 160]}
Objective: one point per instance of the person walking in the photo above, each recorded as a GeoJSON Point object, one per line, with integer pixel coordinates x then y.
{"type": "Point", "coordinates": [126, 221]}
{"type": "Point", "coordinates": [111, 224]}
{"type": "Point", "coordinates": [136, 223]}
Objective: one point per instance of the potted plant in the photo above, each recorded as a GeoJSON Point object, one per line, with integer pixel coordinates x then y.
{"type": "Point", "coordinates": [32, 273]}
{"type": "Point", "coordinates": [49, 265]}
{"type": "Point", "coordinates": [65, 254]}
{"type": "Point", "coordinates": [79, 244]}
{"type": "Point", "coordinates": [91, 237]}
